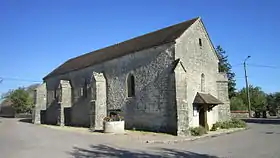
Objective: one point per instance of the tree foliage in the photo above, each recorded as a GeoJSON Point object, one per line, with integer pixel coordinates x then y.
{"type": "Point", "coordinates": [225, 66]}
{"type": "Point", "coordinates": [237, 103]}
{"type": "Point", "coordinates": [257, 97]}
{"type": "Point", "coordinates": [21, 100]}
{"type": "Point", "coordinates": [273, 102]}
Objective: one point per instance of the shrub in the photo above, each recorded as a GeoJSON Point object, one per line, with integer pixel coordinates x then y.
{"type": "Point", "coordinates": [215, 127]}
{"type": "Point", "coordinates": [113, 118]}
{"type": "Point", "coordinates": [238, 123]}
{"type": "Point", "coordinates": [107, 119]}
{"type": "Point", "coordinates": [234, 123]}
{"type": "Point", "coordinates": [198, 131]}
{"type": "Point", "coordinates": [226, 125]}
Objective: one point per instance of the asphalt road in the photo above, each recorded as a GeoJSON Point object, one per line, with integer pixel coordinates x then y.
{"type": "Point", "coordinates": [25, 140]}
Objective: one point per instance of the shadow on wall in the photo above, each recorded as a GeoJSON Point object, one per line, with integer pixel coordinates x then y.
{"type": "Point", "coordinates": [51, 113]}
{"type": "Point", "coordinates": [79, 112]}
{"type": "Point", "coordinates": [107, 151]}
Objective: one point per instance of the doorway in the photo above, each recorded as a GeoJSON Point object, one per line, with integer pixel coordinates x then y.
{"type": "Point", "coordinates": [203, 117]}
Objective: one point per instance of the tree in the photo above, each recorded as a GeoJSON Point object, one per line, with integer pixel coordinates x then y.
{"type": "Point", "coordinates": [273, 102]}
{"type": "Point", "coordinates": [236, 103]}
{"type": "Point", "coordinates": [258, 98]}
{"type": "Point", "coordinates": [225, 66]}
{"type": "Point", "coordinates": [21, 100]}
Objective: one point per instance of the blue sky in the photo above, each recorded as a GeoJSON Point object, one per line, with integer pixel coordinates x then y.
{"type": "Point", "coordinates": [37, 36]}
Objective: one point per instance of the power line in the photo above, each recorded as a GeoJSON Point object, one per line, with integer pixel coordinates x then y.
{"type": "Point", "coordinates": [236, 65]}
{"type": "Point", "coordinates": [257, 65]}
{"type": "Point", "coordinates": [16, 79]}
{"type": "Point", "coordinates": [264, 66]}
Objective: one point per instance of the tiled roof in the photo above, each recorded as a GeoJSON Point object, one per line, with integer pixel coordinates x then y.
{"type": "Point", "coordinates": [202, 98]}
{"type": "Point", "coordinates": [149, 40]}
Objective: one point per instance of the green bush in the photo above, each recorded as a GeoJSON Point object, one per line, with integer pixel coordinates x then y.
{"type": "Point", "coordinates": [215, 127]}
{"type": "Point", "coordinates": [238, 123]}
{"type": "Point", "coordinates": [234, 123]}
{"type": "Point", "coordinates": [226, 125]}
{"type": "Point", "coordinates": [198, 131]}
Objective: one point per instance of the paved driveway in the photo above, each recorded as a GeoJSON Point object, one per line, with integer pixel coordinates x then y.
{"type": "Point", "coordinates": [24, 140]}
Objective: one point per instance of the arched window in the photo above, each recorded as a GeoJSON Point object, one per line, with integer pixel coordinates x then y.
{"type": "Point", "coordinates": [202, 82]}
{"type": "Point", "coordinates": [130, 86]}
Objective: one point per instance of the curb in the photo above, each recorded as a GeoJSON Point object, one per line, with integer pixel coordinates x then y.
{"type": "Point", "coordinates": [196, 138]}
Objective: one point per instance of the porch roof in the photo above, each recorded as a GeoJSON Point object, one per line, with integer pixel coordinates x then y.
{"type": "Point", "coordinates": [202, 98]}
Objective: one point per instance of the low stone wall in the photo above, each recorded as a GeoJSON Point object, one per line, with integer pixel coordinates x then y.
{"type": "Point", "coordinates": [239, 114]}
{"type": "Point", "coordinates": [23, 115]}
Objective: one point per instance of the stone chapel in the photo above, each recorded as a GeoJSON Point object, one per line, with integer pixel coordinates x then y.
{"type": "Point", "coordinates": [165, 81]}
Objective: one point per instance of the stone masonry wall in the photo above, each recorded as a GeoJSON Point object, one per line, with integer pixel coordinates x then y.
{"type": "Point", "coordinates": [239, 114]}
{"type": "Point", "coordinates": [98, 101]}
{"type": "Point", "coordinates": [223, 109]}
{"type": "Point", "coordinates": [63, 94]}
{"type": "Point", "coordinates": [181, 100]}
{"type": "Point", "coordinates": [198, 60]}
{"type": "Point", "coordinates": [152, 108]}
{"type": "Point", "coordinates": [40, 103]}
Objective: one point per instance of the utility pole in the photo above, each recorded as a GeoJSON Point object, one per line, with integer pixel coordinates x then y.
{"type": "Point", "coordinates": [247, 87]}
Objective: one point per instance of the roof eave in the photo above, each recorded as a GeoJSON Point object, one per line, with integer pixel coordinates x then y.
{"type": "Point", "coordinates": [52, 74]}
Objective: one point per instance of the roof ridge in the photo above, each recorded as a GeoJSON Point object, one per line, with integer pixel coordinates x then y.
{"type": "Point", "coordinates": [136, 37]}
{"type": "Point", "coordinates": [138, 43]}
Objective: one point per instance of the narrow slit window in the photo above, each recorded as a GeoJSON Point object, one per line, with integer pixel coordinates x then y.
{"type": "Point", "coordinates": [200, 42]}
{"type": "Point", "coordinates": [202, 83]}
{"type": "Point", "coordinates": [130, 86]}
{"type": "Point", "coordinates": [85, 89]}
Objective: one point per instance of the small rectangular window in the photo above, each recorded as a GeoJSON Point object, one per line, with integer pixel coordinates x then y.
{"type": "Point", "coordinates": [200, 42]}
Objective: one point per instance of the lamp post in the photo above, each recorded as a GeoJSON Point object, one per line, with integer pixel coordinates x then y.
{"type": "Point", "coordinates": [247, 87]}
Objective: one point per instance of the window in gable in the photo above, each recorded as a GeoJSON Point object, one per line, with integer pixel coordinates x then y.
{"type": "Point", "coordinates": [200, 42]}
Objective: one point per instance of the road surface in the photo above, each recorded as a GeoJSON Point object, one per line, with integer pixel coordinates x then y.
{"type": "Point", "coordinates": [25, 140]}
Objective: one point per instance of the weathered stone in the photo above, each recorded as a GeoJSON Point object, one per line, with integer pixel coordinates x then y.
{"type": "Point", "coordinates": [181, 100]}
{"type": "Point", "coordinates": [60, 118]}
{"type": "Point", "coordinates": [63, 99]}
{"type": "Point", "coordinates": [198, 60]}
{"type": "Point", "coordinates": [239, 114]}
{"type": "Point", "coordinates": [98, 104]}
{"type": "Point", "coordinates": [164, 93]}
{"type": "Point", "coordinates": [40, 103]}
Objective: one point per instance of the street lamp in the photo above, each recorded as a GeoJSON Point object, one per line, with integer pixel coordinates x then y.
{"type": "Point", "coordinates": [247, 87]}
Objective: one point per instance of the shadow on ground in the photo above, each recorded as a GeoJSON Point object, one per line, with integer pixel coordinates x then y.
{"type": "Point", "coordinates": [6, 116]}
{"type": "Point", "coordinates": [262, 120]}
{"type": "Point", "coordinates": [107, 151]}
{"type": "Point", "coordinates": [26, 120]}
